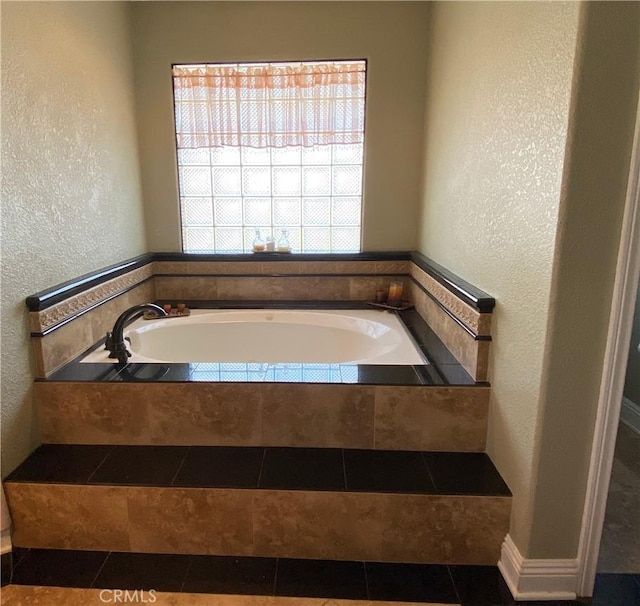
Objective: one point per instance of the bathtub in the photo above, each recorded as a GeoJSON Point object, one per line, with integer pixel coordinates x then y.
{"type": "Point", "coordinates": [271, 336]}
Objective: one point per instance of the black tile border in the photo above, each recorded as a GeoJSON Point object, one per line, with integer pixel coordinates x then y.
{"type": "Point", "coordinates": [455, 584]}
{"type": "Point", "coordinates": [367, 374]}
{"type": "Point", "coordinates": [275, 256]}
{"type": "Point", "coordinates": [51, 296]}
{"type": "Point", "coordinates": [472, 333]}
{"type": "Point", "coordinates": [268, 468]}
{"type": "Point", "coordinates": [6, 562]}
{"type": "Point", "coordinates": [475, 297]}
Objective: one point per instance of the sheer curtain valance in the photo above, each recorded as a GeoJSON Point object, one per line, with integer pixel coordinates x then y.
{"type": "Point", "coordinates": [269, 105]}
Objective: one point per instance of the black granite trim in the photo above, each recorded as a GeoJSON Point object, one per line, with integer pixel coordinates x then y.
{"type": "Point", "coordinates": [6, 561]}
{"type": "Point", "coordinates": [386, 471]}
{"type": "Point", "coordinates": [76, 315]}
{"type": "Point", "coordinates": [264, 468]}
{"type": "Point", "coordinates": [321, 579]}
{"type": "Point", "coordinates": [470, 331]}
{"type": "Point", "coordinates": [231, 575]}
{"type": "Point", "coordinates": [139, 466]}
{"type": "Point", "coordinates": [468, 473]}
{"type": "Point", "coordinates": [410, 583]}
{"type": "Point", "coordinates": [262, 257]}
{"type": "Point", "coordinates": [59, 567]}
{"type": "Point", "coordinates": [51, 296]}
{"type": "Point", "coordinates": [475, 297]}
{"type": "Point", "coordinates": [221, 466]}
{"type": "Point", "coordinates": [283, 275]}
{"type": "Point", "coordinates": [331, 579]}
{"type": "Point", "coordinates": [61, 463]}
{"type": "Point", "coordinates": [302, 469]}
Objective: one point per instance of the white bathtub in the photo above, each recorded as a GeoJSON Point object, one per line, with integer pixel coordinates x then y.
{"type": "Point", "coordinates": [271, 336]}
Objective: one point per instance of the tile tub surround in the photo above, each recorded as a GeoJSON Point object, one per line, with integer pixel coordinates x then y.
{"type": "Point", "coordinates": [56, 347]}
{"type": "Point", "coordinates": [63, 318]}
{"type": "Point", "coordinates": [273, 504]}
{"type": "Point", "coordinates": [440, 418]}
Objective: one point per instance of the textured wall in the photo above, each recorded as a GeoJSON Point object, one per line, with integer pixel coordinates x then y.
{"type": "Point", "coordinates": [390, 34]}
{"type": "Point", "coordinates": [603, 114]}
{"type": "Point", "coordinates": [70, 184]}
{"type": "Point", "coordinates": [497, 111]}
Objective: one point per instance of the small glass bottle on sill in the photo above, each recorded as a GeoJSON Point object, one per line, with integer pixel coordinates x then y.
{"type": "Point", "coordinates": [283, 242]}
{"type": "Point", "coordinates": [258, 243]}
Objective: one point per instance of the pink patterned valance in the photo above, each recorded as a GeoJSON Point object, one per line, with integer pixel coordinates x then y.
{"type": "Point", "coordinates": [269, 105]}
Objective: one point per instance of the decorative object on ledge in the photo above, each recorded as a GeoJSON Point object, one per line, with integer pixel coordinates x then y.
{"type": "Point", "coordinates": [400, 306]}
{"type": "Point", "coordinates": [181, 310]}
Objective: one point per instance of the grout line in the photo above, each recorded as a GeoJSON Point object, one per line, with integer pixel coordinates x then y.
{"type": "Point", "coordinates": [275, 577]}
{"type": "Point", "coordinates": [95, 578]}
{"type": "Point", "coordinates": [455, 588]}
{"type": "Point", "coordinates": [366, 580]}
{"type": "Point", "coordinates": [344, 469]}
{"type": "Point", "coordinates": [88, 481]}
{"type": "Point", "coordinates": [264, 456]}
{"type": "Point", "coordinates": [184, 458]}
{"type": "Point", "coordinates": [186, 574]}
{"type": "Point", "coordinates": [424, 460]}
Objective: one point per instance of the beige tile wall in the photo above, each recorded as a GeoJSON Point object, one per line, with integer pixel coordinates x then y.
{"type": "Point", "coordinates": [277, 414]}
{"type": "Point", "coordinates": [273, 523]}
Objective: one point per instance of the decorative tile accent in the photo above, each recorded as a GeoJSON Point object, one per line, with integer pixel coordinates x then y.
{"type": "Point", "coordinates": [477, 322]}
{"type": "Point", "coordinates": [53, 315]}
{"type": "Point", "coordinates": [461, 344]}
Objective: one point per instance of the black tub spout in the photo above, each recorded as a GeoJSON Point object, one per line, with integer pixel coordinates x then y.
{"type": "Point", "coordinates": [115, 339]}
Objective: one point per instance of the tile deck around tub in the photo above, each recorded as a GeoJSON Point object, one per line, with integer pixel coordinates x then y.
{"type": "Point", "coordinates": [268, 468]}
{"type": "Point", "coordinates": [440, 368]}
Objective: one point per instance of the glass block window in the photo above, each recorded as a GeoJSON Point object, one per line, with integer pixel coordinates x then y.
{"type": "Point", "coordinates": [228, 191]}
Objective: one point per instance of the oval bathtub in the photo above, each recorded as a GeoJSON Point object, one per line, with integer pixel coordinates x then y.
{"type": "Point", "coordinates": [271, 336]}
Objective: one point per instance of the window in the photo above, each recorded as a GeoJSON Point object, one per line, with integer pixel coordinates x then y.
{"type": "Point", "coordinates": [270, 147]}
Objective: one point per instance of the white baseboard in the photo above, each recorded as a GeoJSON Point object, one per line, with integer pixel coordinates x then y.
{"type": "Point", "coordinates": [630, 414]}
{"type": "Point", "coordinates": [537, 579]}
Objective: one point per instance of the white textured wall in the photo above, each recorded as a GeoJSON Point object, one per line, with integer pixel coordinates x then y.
{"type": "Point", "coordinates": [391, 35]}
{"type": "Point", "coordinates": [71, 197]}
{"type": "Point", "coordinates": [497, 114]}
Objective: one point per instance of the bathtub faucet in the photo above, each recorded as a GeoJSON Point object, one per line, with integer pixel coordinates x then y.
{"type": "Point", "coordinates": [115, 339]}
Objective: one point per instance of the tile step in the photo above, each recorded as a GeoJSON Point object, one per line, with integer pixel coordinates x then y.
{"type": "Point", "coordinates": [390, 506]}
{"type": "Point", "coordinates": [264, 468]}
